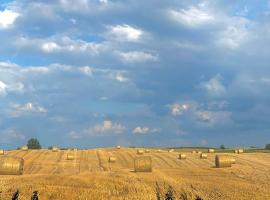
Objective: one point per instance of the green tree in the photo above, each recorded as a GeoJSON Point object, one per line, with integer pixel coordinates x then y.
{"type": "Point", "coordinates": [222, 146]}
{"type": "Point", "coordinates": [267, 146]}
{"type": "Point", "coordinates": [33, 143]}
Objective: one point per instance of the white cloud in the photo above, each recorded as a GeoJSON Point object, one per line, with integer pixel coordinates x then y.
{"type": "Point", "coordinates": [199, 114]}
{"type": "Point", "coordinates": [214, 87]}
{"type": "Point", "coordinates": [17, 110]}
{"type": "Point", "coordinates": [86, 70]}
{"type": "Point", "coordinates": [60, 45]}
{"type": "Point", "coordinates": [145, 130]}
{"type": "Point", "coordinates": [125, 33]}
{"type": "Point", "coordinates": [120, 77]}
{"type": "Point", "coordinates": [12, 87]}
{"type": "Point", "coordinates": [103, 1]}
{"type": "Point", "coordinates": [50, 47]}
{"type": "Point", "coordinates": [3, 88]}
{"type": "Point", "coordinates": [191, 17]}
{"type": "Point", "coordinates": [35, 70]}
{"type": "Point", "coordinates": [213, 117]}
{"type": "Point", "coordinates": [106, 128]}
{"type": "Point", "coordinates": [137, 56]}
{"type": "Point", "coordinates": [235, 33]}
{"type": "Point", "coordinates": [71, 5]}
{"type": "Point", "coordinates": [7, 18]}
{"type": "Point", "coordinates": [178, 109]}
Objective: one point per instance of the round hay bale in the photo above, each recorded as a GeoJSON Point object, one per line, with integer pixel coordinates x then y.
{"type": "Point", "coordinates": [10, 165]}
{"type": "Point", "coordinates": [171, 150]}
{"type": "Point", "coordinates": [140, 152]}
{"type": "Point", "coordinates": [233, 160]}
{"type": "Point", "coordinates": [70, 156]}
{"type": "Point", "coordinates": [55, 149]}
{"type": "Point", "coordinates": [112, 159]}
{"type": "Point", "coordinates": [182, 156]}
{"type": "Point", "coordinates": [193, 152]}
{"type": "Point", "coordinates": [236, 151]}
{"type": "Point", "coordinates": [240, 151]}
{"type": "Point", "coordinates": [24, 148]}
{"type": "Point", "coordinates": [143, 164]}
{"type": "Point", "coordinates": [211, 150]}
{"type": "Point", "coordinates": [203, 156]}
{"type": "Point", "coordinates": [222, 161]}
{"type": "Point", "coordinates": [147, 151]}
{"type": "Point", "coordinates": [2, 152]}
{"type": "Point", "coordinates": [118, 147]}
{"type": "Point", "coordinates": [199, 152]}
{"type": "Point", "coordinates": [159, 150]}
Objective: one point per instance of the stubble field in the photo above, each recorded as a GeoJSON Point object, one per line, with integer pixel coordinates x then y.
{"type": "Point", "coordinates": [91, 176]}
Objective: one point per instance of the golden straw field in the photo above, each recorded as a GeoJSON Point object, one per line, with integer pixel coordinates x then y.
{"type": "Point", "coordinates": [90, 175]}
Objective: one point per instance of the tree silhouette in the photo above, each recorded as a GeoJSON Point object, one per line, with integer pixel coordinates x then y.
{"type": "Point", "coordinates": [33, 143]}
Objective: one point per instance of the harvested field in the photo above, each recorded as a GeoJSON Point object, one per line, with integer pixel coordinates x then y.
{"type": "Point", "coordinates": [91, 175]}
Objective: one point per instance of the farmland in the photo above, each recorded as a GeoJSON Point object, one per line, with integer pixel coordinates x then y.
{"type": "Point", "coordinates": [90, 176]}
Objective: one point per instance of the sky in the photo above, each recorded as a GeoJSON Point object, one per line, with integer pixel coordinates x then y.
{"type": "Point", "coordinates": [98, 73]}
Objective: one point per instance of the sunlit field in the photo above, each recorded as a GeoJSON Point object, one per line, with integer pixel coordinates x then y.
{"type": "Point", "coordinates": [91, 176]}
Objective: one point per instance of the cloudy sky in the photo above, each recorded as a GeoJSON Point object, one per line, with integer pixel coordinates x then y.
{"type": "Point", "coordinates": [92, 73]}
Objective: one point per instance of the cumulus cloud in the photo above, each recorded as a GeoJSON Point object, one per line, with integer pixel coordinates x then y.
{"type": "Point", "coordinates": [7, 18]}
{"type": "Point", "coordinates": [107, 127]}
{"type": "Point", "coordinates": [17, 110]}
{"type": "Point", "coordinates": [12, 87]}
{"type": "Point", "coordinates": [59, 45]}
{"type": "Point", "coordinates": [145, 130]}
{"type": "Point", "coordinates": [212, 117]}
{"type": "Point", "coordinates": [197, 112]}
{"type": "Point", "coordinates": [234, 34]}
{"type": "Point", "coordinates": [214, 86]}
{"type": "Point", "coordinates": [86, 70]}
{"type": "Point", "coordinates": [178, 109]}
{"type": "Point", "coordinates": [3, 88]}
{"type": "Point", "coordinates": [137, 57]}
{"type": "Point", "coordinates": [125, 33]}
{"type": "Point", "coordinates": [192, 16]}
{"type": "Point", "coordinates": [120, 77]}
{"type": "Point", "coordinates": [50, 47]}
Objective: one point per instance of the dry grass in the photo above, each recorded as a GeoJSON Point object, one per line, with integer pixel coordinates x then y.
{"type": "Point", "coordinates": [90, 176]}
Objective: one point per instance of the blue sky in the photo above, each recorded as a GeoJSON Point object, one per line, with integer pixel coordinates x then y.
{"type": "Point", "coordinates": [92, 73]}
